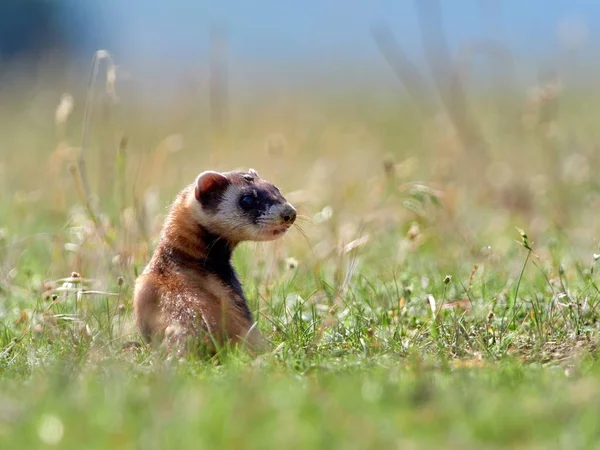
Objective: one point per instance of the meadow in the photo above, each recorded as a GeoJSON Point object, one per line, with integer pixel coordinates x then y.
{"type": "Point", "coordinates": [432, 295]}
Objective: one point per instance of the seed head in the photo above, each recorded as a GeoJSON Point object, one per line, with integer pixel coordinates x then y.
{"type": "Point", "coordinates": [524, 239]}
{"type": "Point", "coordinates": [291, 263]}
{"type": "Point", "coordinates": [63, 111]}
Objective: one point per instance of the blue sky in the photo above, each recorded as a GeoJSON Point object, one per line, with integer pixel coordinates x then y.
{"type": "Point", "coordinates": [277, 42]}
{"type": "Point", "coordinates": [271, 29]}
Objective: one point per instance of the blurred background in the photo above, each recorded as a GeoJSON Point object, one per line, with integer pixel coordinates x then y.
{"type": "Point", "coordinates": [389, 113]}
{"type": "Point", "coordinates": [312, 37]}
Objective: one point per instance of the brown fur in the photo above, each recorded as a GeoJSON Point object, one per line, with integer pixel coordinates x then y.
{"type": "Point", "coordinates": [189, 293]}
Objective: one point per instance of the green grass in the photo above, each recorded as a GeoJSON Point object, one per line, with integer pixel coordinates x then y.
{"type": "Point", "coordinates": [446, 327]}
{"type": "Point", "coordinates": [353, 403]}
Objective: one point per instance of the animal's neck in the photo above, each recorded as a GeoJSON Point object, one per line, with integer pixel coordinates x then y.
{"type": "Point", "coordinates": [196, 244]}
{"type": "Point", "coordinates": [217, 260]}
{"type": "Point", "coordinates": [186, 244]}
{"type": "Point", "coordinates": [216, 250]}
{"type": "Point", "coordinates": [183, 233]}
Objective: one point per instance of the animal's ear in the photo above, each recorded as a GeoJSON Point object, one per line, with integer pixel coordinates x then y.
{"type": "Point", "coordinates": [209, 186]}
{"type": "Point", "coordinates": [254, 173]}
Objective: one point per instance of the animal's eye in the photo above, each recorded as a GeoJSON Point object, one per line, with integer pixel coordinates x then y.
{"type": "Point", "coordinates": [247, 202]}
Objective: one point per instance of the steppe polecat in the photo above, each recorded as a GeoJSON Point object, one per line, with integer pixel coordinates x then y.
{"type": "Point", "coordinates": [189, 292]}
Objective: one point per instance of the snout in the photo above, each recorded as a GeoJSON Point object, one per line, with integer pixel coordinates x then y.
{"type": "Point", "coordinates": [288, 214]}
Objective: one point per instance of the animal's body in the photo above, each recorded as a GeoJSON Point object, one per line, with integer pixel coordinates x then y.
{"type": "Point", "coordinates": [189, 292]}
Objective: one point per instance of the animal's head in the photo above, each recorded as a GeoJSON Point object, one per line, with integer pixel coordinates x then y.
{"type": "Point", "coordinates": [240, 206]}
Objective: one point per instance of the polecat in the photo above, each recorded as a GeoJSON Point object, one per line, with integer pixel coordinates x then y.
{"type": "Point", "coordinates": [189, 292]}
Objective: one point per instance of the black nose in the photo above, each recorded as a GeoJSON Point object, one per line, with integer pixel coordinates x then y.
{"type": "Point", "coordinates": [288, 215]}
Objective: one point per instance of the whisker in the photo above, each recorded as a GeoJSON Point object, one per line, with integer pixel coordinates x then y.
{"type": "Point", "coordinates": [305, 236]}
{"type": "Point", "coordinates": [304, 217]}
{"type": "Point", "coordinates": [307, 223]}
